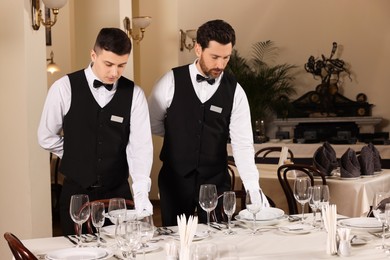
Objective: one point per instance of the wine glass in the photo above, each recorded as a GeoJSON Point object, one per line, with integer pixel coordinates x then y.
{"type": "Point", "coordinates": [301, 192]}
{"type": "Point", "coordinates": [324, 199]}
{"type": "Point", "coordinates": [117, 211]}
{"type": "Point", "coordinates": [79, 211]}
{"type": "Point", "coordinates": [208, 200]}
{"type": "Point", "coordinates": [97, 217]}
{"type": "Point", "coordinates": [146, 228]}
{"type": "Point", "coordinates": [315, 200]}
{"type": "Point", "coordinates": [254, 204]}
{"type": "Point", "coordinates": [379, 212]}
{"type": "Point", "coordinates": [128, 238]}
{"type": "Point", "coordinates": [229, 207]}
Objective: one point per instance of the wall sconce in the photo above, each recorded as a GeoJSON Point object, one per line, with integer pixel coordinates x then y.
{"type": "Point", "coordinates": [52, 67]}
{"type": "Point", "coordinates": [36, 12]}
{"type": "Point", "coordinates": [183, 35]}
{"type": "Point", "coordinates": [140, 22]}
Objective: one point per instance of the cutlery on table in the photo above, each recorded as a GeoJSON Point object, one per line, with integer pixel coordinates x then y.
{"type": "Point", "coordinates": [72, 239]}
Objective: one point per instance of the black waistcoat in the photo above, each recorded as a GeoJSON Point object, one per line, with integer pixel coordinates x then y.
{"type": "Point", "coordinates": [95, 138]}
{"type": "Point", "coordinates": [196, 133]}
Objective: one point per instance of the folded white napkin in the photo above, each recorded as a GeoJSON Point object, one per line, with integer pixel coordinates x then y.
{"type": "Point", "coordinates": [187, 232]}
{"type": "Point", "coordinates": [283, 156]}
{"type": "Point", "coordinates": [330, 223]}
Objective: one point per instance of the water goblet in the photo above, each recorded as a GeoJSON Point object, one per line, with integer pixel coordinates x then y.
{"type": "Point", "coordinates": [79, 212]}
{"type": "Point", "coordinates": [117, 211]}
{"type": "Point", "coordinates": [254, 204]}
{"type": "Point", "coordinates": [146, 228]}
{"type": "Point", "coordinates": [315, 199]}
{"type": "Point", "coordinates": [208, 200]}
{"type": "Point", "coordinates": [379, 212]}
{"type": "Point", "coordinates": [301, 192]}
{"type": "Point", "coordinates": [128, 238]}
{"type": "Point", "coordinates": [229, 207]}
{"type": "Point", "coordinates": [97, 217]}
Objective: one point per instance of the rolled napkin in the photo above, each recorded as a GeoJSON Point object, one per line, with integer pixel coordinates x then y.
{"type": "Point", "coordinates": [330, 224]}
{"type": "Point", "coordinates": [325, 160]}
{"type": "Point", "coordinates": [349, 165]}
{"type": "Point", "coordinates": [283, 156]}
{"type": "Point", "coordinates": [366, 161]}
{"type": "Point", "coordinates": [187, 232]}
{"type": "Point", "coordinates": [377, 158]}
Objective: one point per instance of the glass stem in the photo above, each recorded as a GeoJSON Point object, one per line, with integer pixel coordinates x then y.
{"type": "Point", "coordinates": [314, 217]}
{"type": "Point", "coordinates": [254, 223]}
{"type": "Point", "coordinates": [303, 213]}
{"type": "Point", "coordinates": [383, 235]}
{"type": "Point", "coordinates": [80, 231]}
{"type": "Point", "coordinates": [98, 236]}
{"type": "Point", "coordinates": [229, 220]}
{"type": "Point", "coordinates": [208, 222]}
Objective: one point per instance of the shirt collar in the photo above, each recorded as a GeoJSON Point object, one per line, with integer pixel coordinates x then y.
{"type": "Point", "coordinates": [91, 77]}
{"type": "Point", "coordinates": [194, 71]}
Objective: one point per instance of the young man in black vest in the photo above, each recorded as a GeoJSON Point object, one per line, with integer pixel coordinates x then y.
{"type": "Point", "coordinates": [106, 134]}
{"type": "Point", "coordinates": [196, 108]}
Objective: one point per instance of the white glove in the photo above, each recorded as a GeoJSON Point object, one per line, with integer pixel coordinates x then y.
{"type": "Point", "coordinates": [142, 204]}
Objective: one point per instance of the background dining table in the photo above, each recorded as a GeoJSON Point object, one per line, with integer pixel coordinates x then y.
{"type": "Point", "coordinates": [270, 243]}
{"type": "Point", "coordinates": [352, 197]}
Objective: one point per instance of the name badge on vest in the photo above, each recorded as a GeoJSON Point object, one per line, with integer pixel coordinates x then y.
{"type": "Point", "coordinates": [117, 119]}
{"type": "Point", "coordinates": [216, 109]}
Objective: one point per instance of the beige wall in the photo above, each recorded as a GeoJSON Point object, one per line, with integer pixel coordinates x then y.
{"type": "Point", "coordinates": [299, 27]}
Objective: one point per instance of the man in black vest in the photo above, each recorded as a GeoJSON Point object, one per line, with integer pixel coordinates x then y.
{"type": "Point", "coordinates": [106, 134]}
{"type": "Point", "coordinates": [196, 108]}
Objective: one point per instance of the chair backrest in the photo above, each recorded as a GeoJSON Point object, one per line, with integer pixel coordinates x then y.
{"type": "Point", "coordinates": [231, 166]}
{"type": "Point", "coordinates": [19, 251]}
{"type": "Point", "coordinates": [262, 155]}
{"type": "Point", "coordinates": [90, 228]}
{"type": "Point", "coordinates": [283, 177]}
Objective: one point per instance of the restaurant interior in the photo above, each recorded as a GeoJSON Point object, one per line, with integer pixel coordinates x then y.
{"type": "Point", "coordinates": [299, 28]}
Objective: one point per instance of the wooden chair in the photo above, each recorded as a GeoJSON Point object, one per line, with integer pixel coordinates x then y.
{"type": "Point", "coordinates": [262, 155]}
{"type": "Point", "coordinates": [19, 251]}
{"type": "Point", "coordinates": [283, 177]}
{"type": "Point", "coordinates": [89, 225]}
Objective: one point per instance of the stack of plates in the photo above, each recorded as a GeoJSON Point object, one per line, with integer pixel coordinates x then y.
{"type": "Point", "coordinates": [267, 216]}
{"type": "Point", "coordinates": [361, 224]}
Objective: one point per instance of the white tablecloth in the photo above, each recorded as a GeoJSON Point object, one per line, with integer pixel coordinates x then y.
{"type": "Point", "coordinates": [272, 244]}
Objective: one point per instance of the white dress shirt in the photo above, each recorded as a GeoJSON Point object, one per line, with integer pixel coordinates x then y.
{"type": "Point", "coordinates": [139, 149]}
{"type": "Point", "coordinates": [240, 128]}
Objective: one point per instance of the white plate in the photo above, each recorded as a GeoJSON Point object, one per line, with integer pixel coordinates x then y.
{"type": "Point", "coordinates": [198, 236]}
{"type": "Point", "coordinates": [349, 178]}
{"type": "Point", "coordinates": [363, 224]}
{"type": "Point", "coordinates": [148, 249]}
{"type": "Point", "coordinates": [297, 229]}
{"type": "Point", "coordinates": [77, 253]}
{"type": "Point", "coordinates": [131, 215]}
{"type": "Point", "coordinates": [108, 230]}
{"type": "Point", "coordinates": [268, 213]}
{"type": "Point", "coordinates": [259, 222]}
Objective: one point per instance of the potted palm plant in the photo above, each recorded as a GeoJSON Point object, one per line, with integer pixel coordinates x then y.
{"type": "Point", "coordinates": [267, 86]}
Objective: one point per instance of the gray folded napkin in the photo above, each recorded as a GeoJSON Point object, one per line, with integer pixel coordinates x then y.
{"type": "Point", "coordinates": [377, 158]}
{"type": "Point", "coordinates": [366, 161]}
{"type": "Point", "coordinates": [349, 165]}
{"type": "Point", "coordinates": [324, 159]}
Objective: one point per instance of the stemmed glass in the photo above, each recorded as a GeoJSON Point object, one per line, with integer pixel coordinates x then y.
{"type": "Point", "coordinates": [117, 211]}
{"type": "Point", "coordinates": [229, 207]}
{"type": "Point", "coordinates": [97, 217]}
{"type": "Point", "coordinates": [128, 238]}
{"type": "Point", "coordinates": [79, 211]}
{"type": "Point", "coordinates": [208, 200]}
{"type": "Point", "coordinates": [324, 199]}
{"type": "Point", "coordinates": [254, 204]}
{"type": "Point", "coordinates": [301, 192]}
{"type": "Point", "coordinates": [379, 211]}
{"type": "Point", "coordinates": [315, 200]}
{"type": "Point", "coordinates": [147, 229]}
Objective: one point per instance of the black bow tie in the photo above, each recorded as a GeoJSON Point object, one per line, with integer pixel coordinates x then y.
{"type": "Point", "coordinates": [200, 78]}
{"type": "Point", "coordinates": [97, 84]}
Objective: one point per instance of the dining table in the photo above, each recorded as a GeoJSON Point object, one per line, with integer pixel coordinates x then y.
{"type": "Point", "coordinates": [271, 242]}
{"type": "Point", "coordinates": [353, 197]}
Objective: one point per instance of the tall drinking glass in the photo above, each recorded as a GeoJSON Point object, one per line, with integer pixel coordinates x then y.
{"type": "Point", "coordinates": [97, 217]}
{"type": "Point", "coordinates": [254, 204]}
{"type": "Point", "coordinates": [324, 200]}
{"type": "Point", "coordinates": [379, 211]}
{"type": "Point", "coordinates": [302, 192]}
{"type": "Point", "coordinates": [117, 211]}
{"type": "Point", "coordinates": [229, 207]}
{"type": "Point", "coordinates": [208, 200]}
{"type": "Point", "coordinates": [146, 228]}
{"type": "Point", "coordinates": [79, 212]}
{"type": "Point", "coordinates": [128, 238]}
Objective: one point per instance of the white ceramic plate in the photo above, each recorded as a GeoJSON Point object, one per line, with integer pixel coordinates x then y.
{"type": "Point", "coordinates": [249, 222]}
{"type": "Point", "coordinates": [76, 253]}
{"type": "Point", "coordinates": [362, 224]}
{"type": "Point", "coordinates": [349, 178]}
{"type": "Point", "coordinates": [265, 214]}
{"type": "Point", "coordinates": [148, 249]}
{"type": "Point", "coordinates": [297, 229]}
{"type": "Point", "coordinates": [198, 236]}
{"type": "Point", "coordinates": [108, 230]}
{"type": "Point", "coordinates": [131, 215]}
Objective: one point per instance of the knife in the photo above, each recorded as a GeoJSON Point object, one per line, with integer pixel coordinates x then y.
{"type": "Point", "coordinates": [215, 226]}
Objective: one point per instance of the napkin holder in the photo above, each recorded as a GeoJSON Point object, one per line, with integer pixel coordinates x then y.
{"type": "Point", "coordinates": [187, 232]}
{"type": "Point", "coordinates": [330, 224]}
{"type": "Point", "coordinates": [344, 243]}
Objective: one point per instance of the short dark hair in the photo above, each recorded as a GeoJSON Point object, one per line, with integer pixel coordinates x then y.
{"type": "Point", "coordinates": [114, 40]}
{"type": "Point", "coordinates": [215, 30]}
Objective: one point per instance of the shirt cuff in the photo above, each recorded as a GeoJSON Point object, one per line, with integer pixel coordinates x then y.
{"type": "Point", "coordinates": [251, 185]}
